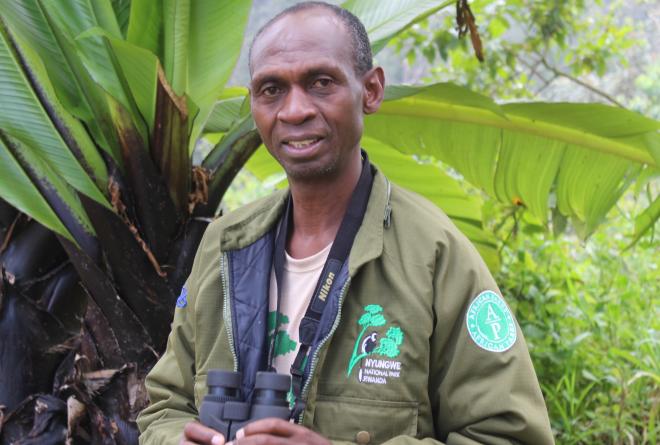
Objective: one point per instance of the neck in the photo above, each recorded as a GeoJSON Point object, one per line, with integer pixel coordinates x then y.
{"type": "Point", "coordinates": [318, 209]}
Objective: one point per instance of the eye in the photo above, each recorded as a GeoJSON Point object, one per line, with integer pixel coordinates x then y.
{"type": "Point", "coordinates": [322, 82]}
{"type": "Point", "coordinates": [270, 90]}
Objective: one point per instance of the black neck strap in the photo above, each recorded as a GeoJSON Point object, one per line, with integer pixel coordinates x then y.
{"type": "Point", "coordinates": [339, 251]}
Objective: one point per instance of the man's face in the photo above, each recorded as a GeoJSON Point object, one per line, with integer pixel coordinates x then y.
{"type": "Point", "coordinates": [307, 99]}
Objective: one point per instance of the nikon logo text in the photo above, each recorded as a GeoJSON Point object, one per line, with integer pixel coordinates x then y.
{"type": "Point", "coordinates": [325, 288]}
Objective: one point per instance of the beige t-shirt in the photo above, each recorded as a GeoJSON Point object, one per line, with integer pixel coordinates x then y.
{"type": "Point", "coordinates": [300, 279]}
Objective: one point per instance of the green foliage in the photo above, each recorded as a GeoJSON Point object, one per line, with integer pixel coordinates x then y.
{"type": "Point", "coordinates": [544, 50]}
{"type": "Point", "coordinates": [528, 45]}
{"type": "Point", "coordinates": [400, 15]}
{"type": "Point", "coordinates": [591, 321]}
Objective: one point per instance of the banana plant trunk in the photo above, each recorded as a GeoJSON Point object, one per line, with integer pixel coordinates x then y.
{"type": "Point", "coordinates": [80, 329]}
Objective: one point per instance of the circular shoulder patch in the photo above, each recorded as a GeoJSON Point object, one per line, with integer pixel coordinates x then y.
{"type": "Point", "coordinates": [490, 323]}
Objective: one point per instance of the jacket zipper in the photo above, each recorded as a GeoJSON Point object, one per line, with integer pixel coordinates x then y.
{"type": "Point", "coordinates": [318, 349]}
{"type": "Point", "coordinates": [226, 307]}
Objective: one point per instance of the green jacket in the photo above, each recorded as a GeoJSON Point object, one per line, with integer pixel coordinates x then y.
{"type": "Point", "coordinates": [400, 361]}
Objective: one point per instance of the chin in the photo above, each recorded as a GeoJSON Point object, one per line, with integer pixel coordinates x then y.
{"type": "Point", "coordinates": [311, 172]}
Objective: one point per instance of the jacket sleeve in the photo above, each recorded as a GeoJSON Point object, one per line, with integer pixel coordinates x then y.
{"type": "Point", "coordinates": [479, 396]}
{"type": "Point", "coordinates": [170, 383]}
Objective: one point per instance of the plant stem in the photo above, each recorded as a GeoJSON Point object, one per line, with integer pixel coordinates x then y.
{"type": "Point", "coordinates": [351, 363]}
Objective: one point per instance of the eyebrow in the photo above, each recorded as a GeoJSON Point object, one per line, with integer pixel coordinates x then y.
{"type": "Point", "coordinates": [266, 78]}
{"type": "Point", "coordinates": [313, 70]}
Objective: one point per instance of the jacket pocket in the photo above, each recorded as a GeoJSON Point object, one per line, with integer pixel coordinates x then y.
{"type": "Point", "coordinates": [364, 420]}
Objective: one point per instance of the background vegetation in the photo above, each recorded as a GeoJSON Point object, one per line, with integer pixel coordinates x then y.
{"type": "Point", "coordinates": [589, 308]}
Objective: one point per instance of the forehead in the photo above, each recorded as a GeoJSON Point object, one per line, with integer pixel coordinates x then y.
{"type": "Point", "coordinates": [301, 38]}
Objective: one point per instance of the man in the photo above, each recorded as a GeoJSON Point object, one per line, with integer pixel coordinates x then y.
{"type": "Point", "coordinates": [413, 342]}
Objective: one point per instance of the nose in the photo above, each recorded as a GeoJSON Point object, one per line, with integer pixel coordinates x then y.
{"type": "Point", "coordinates": [297, 107]}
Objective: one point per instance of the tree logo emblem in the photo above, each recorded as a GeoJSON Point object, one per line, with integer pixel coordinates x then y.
{"type": "Point", "coordinates": [385, 347]}
{"type": "Point", "coordinates": [490, 323]}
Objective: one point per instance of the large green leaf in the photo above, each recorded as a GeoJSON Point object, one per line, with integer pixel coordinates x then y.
{"type": "Point", "coordinates": [383, 20]}
{"type": "Point", "coordinates": [122, 10]}
{"type": "Point", "coordinates": [32, 115]}
{"type": "Point", "coordinates": [26, 18]}
{"type": "Point", "coordinates": [19, 191]}
{"type": "Point", "coordinates": [197, 63]}
{"type": "Point", "coordinates": [144, 25]}
{"type": "Point", "coordinates": [227, 110]}
{"type": "Point", "coordinates": [74, 87]}
{"type": "Point", "coordinates": [431, 182]}
{"type": "Point", "coordinates": [176, 35]}
{"type": "Point", "coordinates": [426, 179]}
{"type": "Point", "coordinates": [80, 21]}
{"type": "Point", "coordinates": [212, 57]}
{"type": "Point", "coordinates": [54, 191]}
{"type": "Point", "coordinates": [137, 68]}
{"type": "Point", "coordinates": [140, 67]}
{"type": "Point", "coordinates": [581, 154]}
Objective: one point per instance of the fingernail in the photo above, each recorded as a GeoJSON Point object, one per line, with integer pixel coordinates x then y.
{"type": "Point", "coordinates": [240, 433]}
{"type": "Point", "coordinates": [217, 440]}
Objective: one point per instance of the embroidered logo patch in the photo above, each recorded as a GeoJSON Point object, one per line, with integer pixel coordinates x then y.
{"type": "Point", "coordinates": [490, 323]}
{"type": "Point", "coordinates": [182, 301]}
{"type": "Point", "coordinates": [374, 352]}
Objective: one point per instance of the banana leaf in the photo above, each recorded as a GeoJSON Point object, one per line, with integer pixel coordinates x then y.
{"type": "Point", "coordinates": [384, 20]}
{"type": "Point", "coordinates": [580, 156]}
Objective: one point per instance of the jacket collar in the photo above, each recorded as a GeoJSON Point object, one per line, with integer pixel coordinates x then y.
{"type": "Point", "coordinates": [251, 222]}
{"type": "Point", "coordinates": [368, 243]}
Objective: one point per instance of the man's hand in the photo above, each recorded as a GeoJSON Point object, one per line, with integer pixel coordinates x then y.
{"type": "Point", "coordinates": [276, 432]}
{"type": "Point", "coordinates": [194, 433]}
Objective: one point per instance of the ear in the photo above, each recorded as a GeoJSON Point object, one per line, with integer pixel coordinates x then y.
{"type": "Point", "coordinates": [374, 90]}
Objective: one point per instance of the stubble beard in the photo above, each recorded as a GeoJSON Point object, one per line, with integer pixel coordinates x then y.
{"type": "Point", "coordinates": [306, 173]}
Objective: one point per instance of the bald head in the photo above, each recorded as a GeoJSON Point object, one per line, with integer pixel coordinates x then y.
{"type": "Point", "coordinates": [347, 22]}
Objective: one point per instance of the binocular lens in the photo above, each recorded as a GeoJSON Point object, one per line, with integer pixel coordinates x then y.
{"type": "Point", "coordinates": [225, 410]}
{"type": "Point", "coordinates": [271, 389]}
{"type": "Point", "coordinates": [224, 383]}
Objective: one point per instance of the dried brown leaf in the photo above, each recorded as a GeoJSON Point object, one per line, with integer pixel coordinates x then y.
{"type": "Point", "coordinates": [465, 22]}
{"type": "Point", "coordinates": [200, 178]}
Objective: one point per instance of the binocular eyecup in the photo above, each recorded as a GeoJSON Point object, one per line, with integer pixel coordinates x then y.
{"type": "Point", "coordinates": [224, 409]}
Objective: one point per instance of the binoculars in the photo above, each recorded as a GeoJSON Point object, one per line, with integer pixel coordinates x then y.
{"type": "Point", "coordinates": [224, 409]}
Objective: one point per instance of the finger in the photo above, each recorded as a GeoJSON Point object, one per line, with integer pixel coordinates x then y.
{"type": "Point", "coordinates": [261, 439]}
{"type": "Point", "coordinates": [187, 442]}
{"type": "Point", "coordinates": [220, 441]}
{"type": "Point", "coordinates": [271, 426]}
{"type": "Point", "coordinates": [198, 433]}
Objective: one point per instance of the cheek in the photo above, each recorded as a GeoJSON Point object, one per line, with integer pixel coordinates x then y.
{"type": "Point", "coordinates": [262, 122]}
{"type": "Point", "coordinates": [347, 114]}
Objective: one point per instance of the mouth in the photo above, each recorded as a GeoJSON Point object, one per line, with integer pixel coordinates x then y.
{"type": "Point", "coordinates": [302, 147]}
{"type": "Point", "coordinates": [302, 143]}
